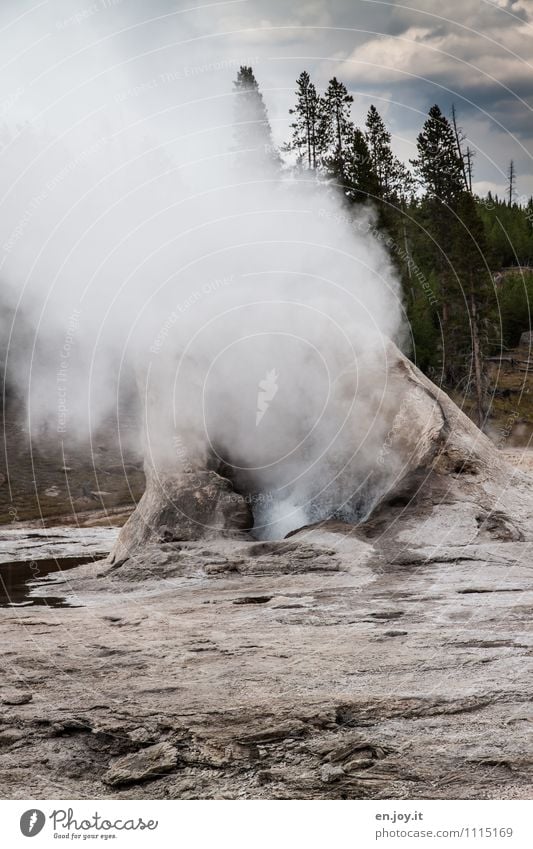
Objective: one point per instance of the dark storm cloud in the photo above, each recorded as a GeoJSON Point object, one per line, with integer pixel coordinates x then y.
{"type": "Point", "coordinates": [476, 55]}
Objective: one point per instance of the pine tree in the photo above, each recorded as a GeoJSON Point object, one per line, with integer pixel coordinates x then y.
{"type": "Point", "coordinates": [252, 128]}
{"type": "Point", "coordinates": [438, 166]}
{"type": "Point", "coordinates": [529, 219]}
{"type": "Point", "coordinates": [469, 155]}
{"type": "Point", "coordinates": [439, 170]}
{"type": "Point", "coordinates": [511, 179]}
{"type": "Point", "coordinates": [509, 232]}
{"type": "Point", "coordinates": [305, 127]}
{"type": "Point", "coordinates": [471, 331]}
{"type": "Point", "coordinates": [464, 158]}
{"type": "Point", "coordinates": [361, 179]}
{"type": "Point", "coordinates": [394, 180]}
{"type": "Point", "coordinates": [335, 129]}
{"type": "Point", "coordinates": [378, 141]}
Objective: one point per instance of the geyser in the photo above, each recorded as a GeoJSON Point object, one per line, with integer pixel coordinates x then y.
{"type": "Point", "coordinates": [279, 379]}
{"type": "Point", "coordinates": [419, 430]}
{"type": "Point", "coordinates": [253, 311]}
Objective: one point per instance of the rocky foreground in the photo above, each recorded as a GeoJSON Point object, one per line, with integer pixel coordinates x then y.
{"type": "Point", "coordinates": [382, 663]}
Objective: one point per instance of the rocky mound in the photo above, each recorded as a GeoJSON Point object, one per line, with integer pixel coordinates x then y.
{"type": "Point", "coordinates": [430, 452]}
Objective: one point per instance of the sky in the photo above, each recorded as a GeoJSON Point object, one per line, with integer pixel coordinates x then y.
{"type": "Point", "coordinates": [63, 63]}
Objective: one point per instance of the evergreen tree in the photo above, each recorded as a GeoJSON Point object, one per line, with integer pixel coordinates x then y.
{"type": "Point", "coordinates": [393, 179]}
{"type": "Point", "coordinates": [470, 328]}
{"type": "Point", "coordinates": [252, 128]}
{"type": "Point", "coordinates": [511, 180]}
{"type": "Point", "coordinates": [438, 166]}
{"type": "Point", "coordinates": [509, 232]}
{"type": "Point", "coordinates": [515, 307]}
{"type": "Point", "coordinates": [423, 323]}
{"type": "Point", "coordinates": [440, 172]}
{"type": "Point", "coordinates": [464, 158]}
{"type": "Point", "coordinates": [335, 129]}
{"type": "Point", "coordinates": [360, 178]}
{"type": "Point", "coordinates": [529, 218]}
{"type": "Point", "coordinates": [305, 127]}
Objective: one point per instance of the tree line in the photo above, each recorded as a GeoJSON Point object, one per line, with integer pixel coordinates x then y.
{"type": "Point", "coordinates": [450, 241]}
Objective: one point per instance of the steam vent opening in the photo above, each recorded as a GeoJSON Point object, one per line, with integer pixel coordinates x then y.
{"type": "Point", "coordinates": [276, 513]}
{"type": "Point", "coordinates": [294, 421]}
{"type": "Point", "coordinates": [273, 516]}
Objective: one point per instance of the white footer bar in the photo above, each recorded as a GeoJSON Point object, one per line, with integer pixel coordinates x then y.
{"type": "Point", "coordinates": [267, 824]}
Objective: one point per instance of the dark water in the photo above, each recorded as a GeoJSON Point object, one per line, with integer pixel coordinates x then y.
{"type": "Point", "coordinates": [18, 578]}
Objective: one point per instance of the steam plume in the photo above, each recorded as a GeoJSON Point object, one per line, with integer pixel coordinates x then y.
{"type": "Point", "coordinates": [135, 245]}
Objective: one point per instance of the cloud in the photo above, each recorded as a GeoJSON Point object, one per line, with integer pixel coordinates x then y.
{"type": "Point", "coordinates": [476, 55]}
{"type": "Point", "coordinates": [492, 58]}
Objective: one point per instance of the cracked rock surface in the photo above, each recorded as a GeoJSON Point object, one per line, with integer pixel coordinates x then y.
{"type": "Point", "coordinates": [334, 664]}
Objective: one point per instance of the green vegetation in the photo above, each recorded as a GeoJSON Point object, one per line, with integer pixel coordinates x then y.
{"type": "Point", "coordinates": [453, 250]}
{"type": "Point", "coordinates": [515, 304]}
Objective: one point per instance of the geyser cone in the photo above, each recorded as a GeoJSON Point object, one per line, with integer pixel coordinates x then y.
{"type": "Point", "coordinates": [423, 435]}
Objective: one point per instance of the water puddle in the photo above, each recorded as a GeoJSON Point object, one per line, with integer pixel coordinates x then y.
{"type": "Point", "coordinates": [18, 578]}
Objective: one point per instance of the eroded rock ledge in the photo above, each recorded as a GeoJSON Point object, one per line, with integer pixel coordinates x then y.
{"type": "Point", "coordinates": [192, 505]}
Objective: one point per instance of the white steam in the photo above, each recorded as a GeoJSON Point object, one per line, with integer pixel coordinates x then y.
{"type": "Point", "coordinates": [135, 247]}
